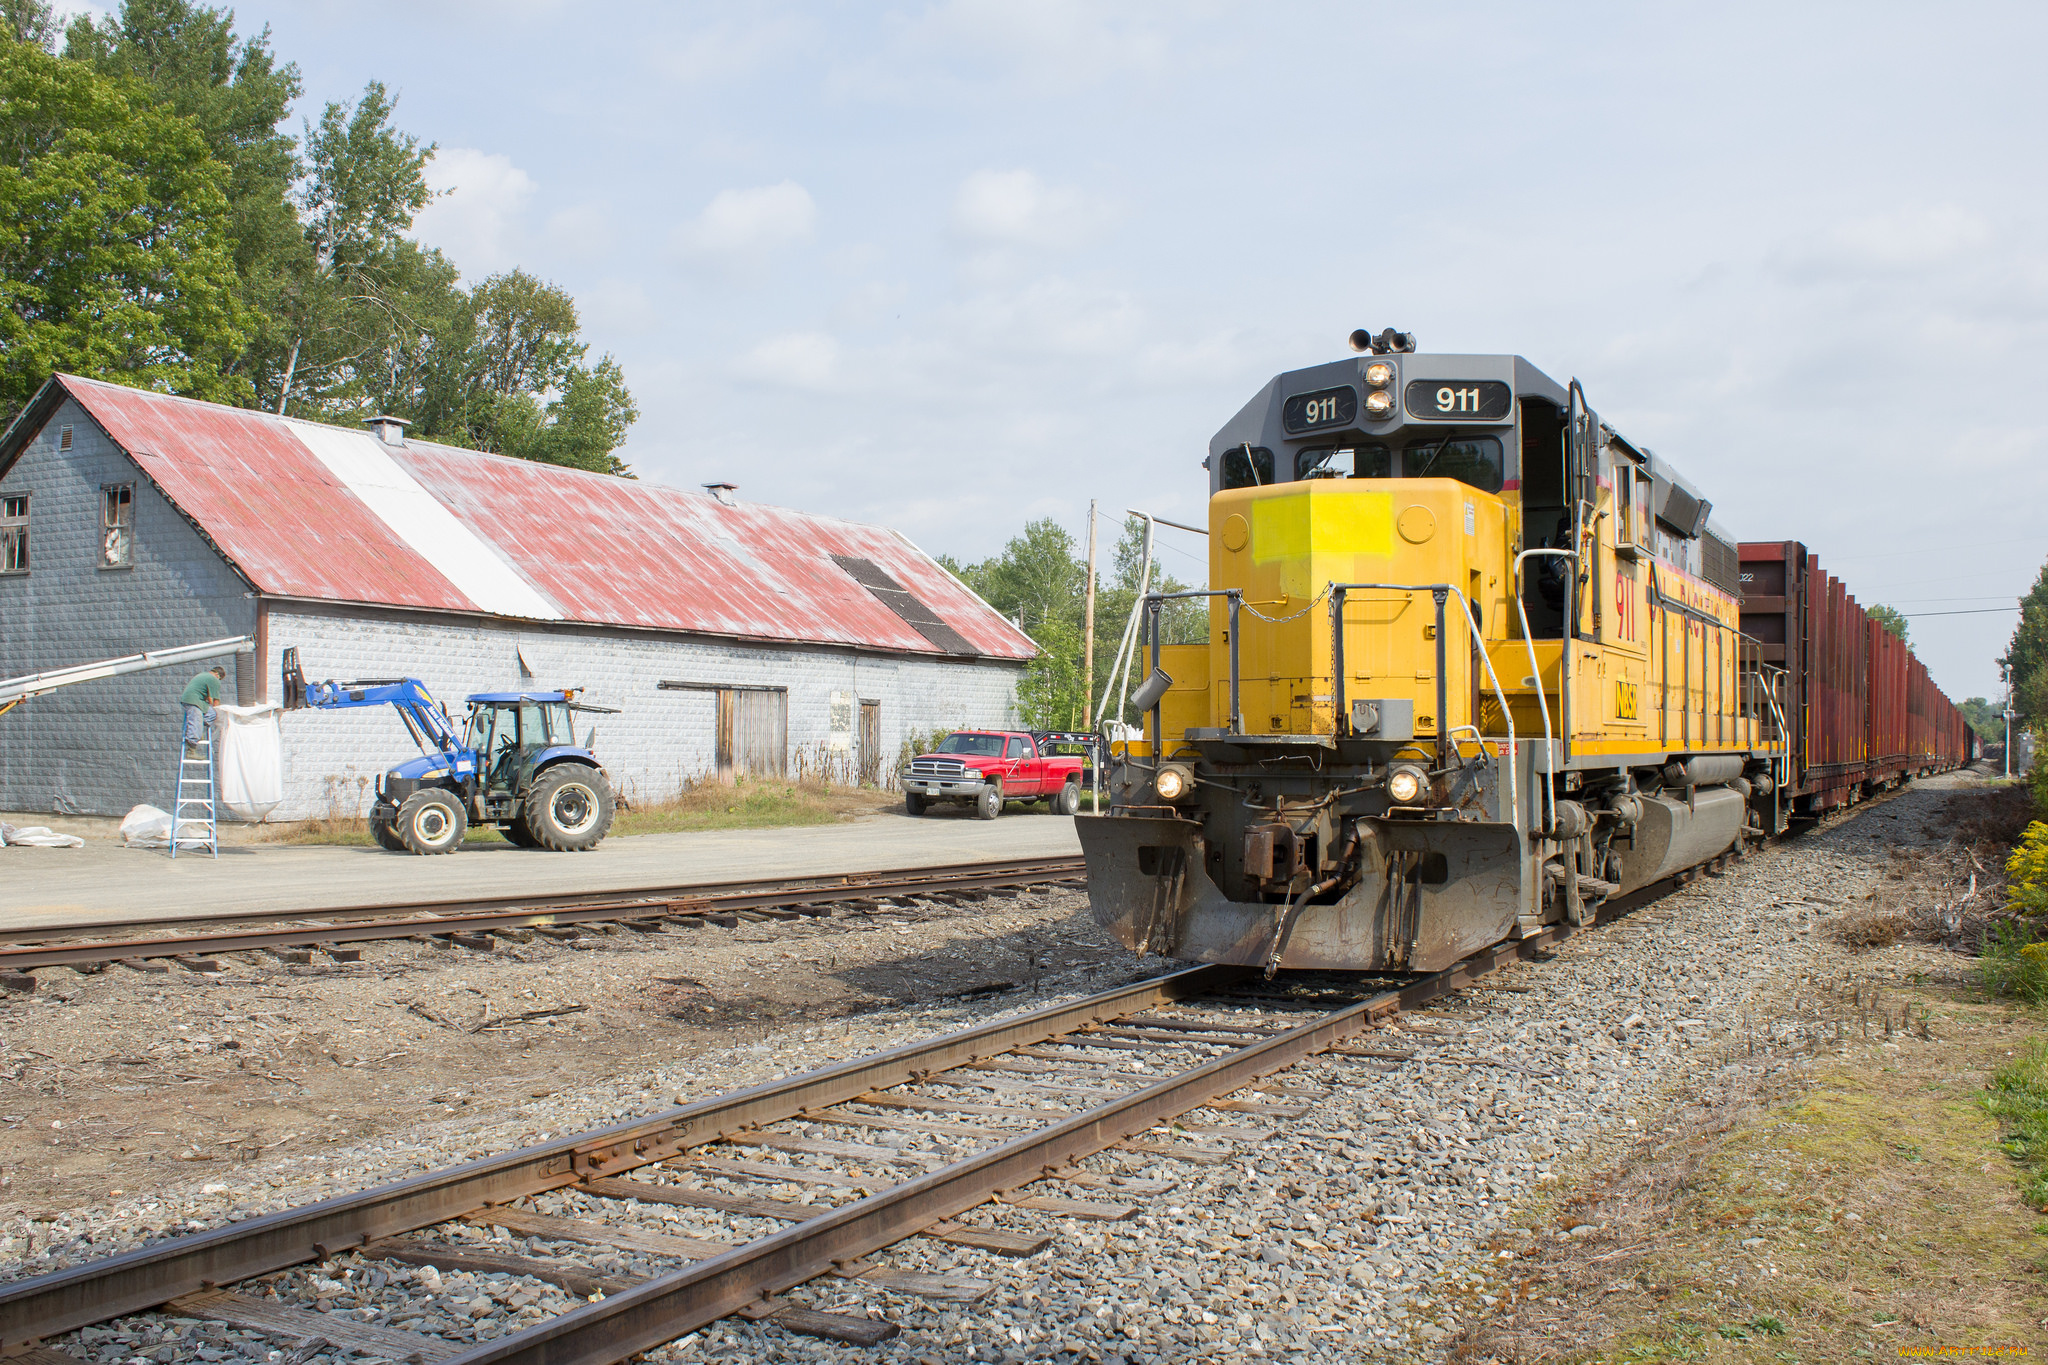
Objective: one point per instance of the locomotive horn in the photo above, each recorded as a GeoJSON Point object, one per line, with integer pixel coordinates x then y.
{"type": "Point", "coordinates": [1361, 340]}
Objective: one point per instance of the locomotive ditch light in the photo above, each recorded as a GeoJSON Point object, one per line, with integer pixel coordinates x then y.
{"type": "Point", "coordinates": [1405, 784]}
{"type": "Point", "coordinates": [1173, 781]}
{"type": "Point", "coordinates": [1379, 374]}
{"type": "Point", "coordinates": [1379, 403]}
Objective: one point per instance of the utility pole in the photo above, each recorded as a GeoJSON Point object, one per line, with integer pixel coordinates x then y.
{"type": "Point", "coordinates": [1088, 633]}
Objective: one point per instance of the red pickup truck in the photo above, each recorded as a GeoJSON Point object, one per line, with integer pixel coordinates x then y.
{"type": "Point", "coordinates": [985, 768]}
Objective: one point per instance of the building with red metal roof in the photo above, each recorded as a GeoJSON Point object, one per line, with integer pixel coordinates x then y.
{"type": "Point", "coordinates": [733, 636]}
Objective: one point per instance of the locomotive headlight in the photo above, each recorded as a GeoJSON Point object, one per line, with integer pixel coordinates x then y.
{"type": "Point", "coordinates": [1379, 403]}
{"type": "Point", "coordinates": [1172, 782]}
{"type": "Point", "coordinates": [1379, 374]}
{"type": "Point", "coordinates": [1404, 785]}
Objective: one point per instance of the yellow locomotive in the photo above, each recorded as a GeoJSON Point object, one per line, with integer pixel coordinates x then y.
{"type": "Point", "coordinates": [1474, 666]}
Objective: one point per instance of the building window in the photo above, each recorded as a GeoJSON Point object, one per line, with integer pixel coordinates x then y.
{"type": "Point", "coordinates": [117, 525]}
{"type": "Point", "coordinates": [63, 438]}
{"type": "Point", "coordinates": [14, 534]}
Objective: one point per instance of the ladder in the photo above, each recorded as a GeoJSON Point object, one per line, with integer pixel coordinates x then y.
{"type": "Point", "coordinates": [195, 789]}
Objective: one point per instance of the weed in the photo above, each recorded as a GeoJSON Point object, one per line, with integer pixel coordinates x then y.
{"type": "Point", "coordinates": [2012, 963]}
{"type": "Point", "coordinates": [1909, 1151]}
{"type": "Point", "coordinates": [2026, 872]}
{"type": "Point", "coordinates": [1770, 1327]}
{"type": "Point", "coordinates": [2018, 1097]}
{"type": "Point", "coordinates": [1732, 1334]}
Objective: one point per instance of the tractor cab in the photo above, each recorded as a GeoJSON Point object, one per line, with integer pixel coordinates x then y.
{"type": "Point", "coordinates": [513, 734]}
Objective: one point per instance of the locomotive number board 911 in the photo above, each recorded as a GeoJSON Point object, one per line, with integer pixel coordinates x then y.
{"type": "Point", "coordinates": [1458, 400]}
{"type": "Point", "coordinates": [1323, 408]}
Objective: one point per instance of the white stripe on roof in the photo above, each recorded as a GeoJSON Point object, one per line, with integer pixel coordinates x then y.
{"type": "Point", "coordinates": [418, 518]}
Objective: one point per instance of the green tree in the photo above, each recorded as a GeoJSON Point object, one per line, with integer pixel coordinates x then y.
{"type": "Point", "coordinates": [236, 94]}
{"type": "Point", "coordinates": [1892, 620]}
{"type": "Point", "coordinates": [114, 254]}
{"type": "Point", "coordinates": [29, 21]}
{"type": "Point", "coordinates": [2026, 655]}
{"type": "Point", "coordinates": [1983, 716]}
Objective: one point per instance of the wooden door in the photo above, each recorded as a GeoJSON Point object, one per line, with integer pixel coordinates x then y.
{"type": "Point", "coordinates": [753, 733]}
{"type": "Point", "coordinates": [871, 743]}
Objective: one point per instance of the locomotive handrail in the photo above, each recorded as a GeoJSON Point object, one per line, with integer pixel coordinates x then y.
{"type": "Point", "coordinates": [1564, 673]}
{"type": "Point", "coordinates": [1440, 592]}
{"type": "Point", "coordinates": [1153, 602]}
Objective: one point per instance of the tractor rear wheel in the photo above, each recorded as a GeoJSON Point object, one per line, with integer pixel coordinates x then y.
{"type": "Point", "coordinates": [432, 822]}
{"type": "Point", "coordinates": [386, 836]}
{"type": "Point", "coordinates": [569, 808]}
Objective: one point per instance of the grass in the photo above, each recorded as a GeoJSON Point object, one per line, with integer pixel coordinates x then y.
{"type": "Point", "coordinates": [2012, 963]}
{"type": "Point", "coordinates": [1852, 1211]}
{"type": "Point", "coordinates": [746, 804]}
{"type": "Point", "coordinates": [2018, 1098]}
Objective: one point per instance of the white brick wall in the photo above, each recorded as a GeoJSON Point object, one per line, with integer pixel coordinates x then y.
{"type": "Point", "coordinates": [658, 741]}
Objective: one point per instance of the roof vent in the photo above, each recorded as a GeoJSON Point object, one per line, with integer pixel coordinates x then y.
{"type": "Point", "coordinates": [723, 492]}
{"type": "Point", "coordinates": [389, 430]}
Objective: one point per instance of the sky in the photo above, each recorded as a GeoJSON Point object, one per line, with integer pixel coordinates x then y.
{"type": "Point", "coordinates": [954, 266]}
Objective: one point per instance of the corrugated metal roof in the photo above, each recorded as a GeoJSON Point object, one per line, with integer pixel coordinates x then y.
{"type": "Point", "coordinates": [311, 511]}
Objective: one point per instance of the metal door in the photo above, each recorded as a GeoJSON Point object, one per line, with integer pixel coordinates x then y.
{"type": "Point", "coordinates": [871, 743]}
{"type": "Point", "coordinates": [753, 732]}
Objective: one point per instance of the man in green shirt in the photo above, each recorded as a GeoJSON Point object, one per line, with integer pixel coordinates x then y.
{"type": "Point", "coordinates": [201, 695]}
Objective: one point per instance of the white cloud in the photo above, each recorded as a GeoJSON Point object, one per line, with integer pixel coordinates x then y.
{"type": "Point", "coordinates": [751, 222]}
{"type": "Point", "coordinates": [1018, 209]}
{"type": "Point", "coordinates": [794, 360]}
{"type": "Point", "coordinates": [1902, 240]}
{"type": "Point", "coordinates": [476, 215]}
{"type": "Point", "coordinates": [729, 51]}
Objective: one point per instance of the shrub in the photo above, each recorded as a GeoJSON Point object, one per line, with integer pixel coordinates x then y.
{"type": "Point", "coordinates": [2026, 872]}
{"type": "Point", "coordinates": [2018, 1095]}
{"type": "Point", "coordinates": [2012, 963]}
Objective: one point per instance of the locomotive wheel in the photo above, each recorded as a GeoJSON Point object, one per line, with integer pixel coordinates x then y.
{"type": "Point", "coordinates": [431, 822]}
{"type": "Point", "coordinates": [913, 804]}
{"type": "Point", "coordinates": [990, 803]}
{"type": "Point", "coordinates": [516, 832]}
{"type": "Point", "coordinates": [386, 837]}
{"type": "Point", "coordinates": [569, 809]}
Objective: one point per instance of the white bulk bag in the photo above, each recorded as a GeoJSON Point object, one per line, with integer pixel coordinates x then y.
{"type": "Point", "coordinates": [146, 826]}
{"type": "Point", "coordinates": [250, 753]}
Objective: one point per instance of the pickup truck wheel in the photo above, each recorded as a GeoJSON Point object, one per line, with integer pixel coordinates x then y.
{"type": "Point", "coordinates": [569, 809]}
{"type": "Point", "coordinates": [913, 804]}
{"type": "Point", "coordinates": [1067, 800]}
{"type": "Point", "coordinates": [431, 822]}
{"type": "Point", "coordinates": [990, 803]}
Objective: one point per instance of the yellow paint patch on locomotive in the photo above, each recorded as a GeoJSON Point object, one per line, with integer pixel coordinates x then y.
{"type": "Point", "coordinates": [1320, 533]}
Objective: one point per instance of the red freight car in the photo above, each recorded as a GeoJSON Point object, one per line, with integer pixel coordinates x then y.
{"type": "Point", "coordinates": [1859, 712]}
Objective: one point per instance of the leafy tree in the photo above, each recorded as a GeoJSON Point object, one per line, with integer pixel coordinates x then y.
{"type": "Point", "coordinates": [1983, 716]}
{"type": "Point", "coordinates": [1892, 620]}
{"type": "Point", "coordinates": [2026, 655]}
{"type": "Point", "coordinates": [29, 21]}
{"type": "Point", "coordinates": [114, 254]}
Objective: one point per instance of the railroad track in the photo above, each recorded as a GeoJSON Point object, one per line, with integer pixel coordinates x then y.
{"type": "Point", "coordinates": [479, 923]}
{"type": "Point", "coordinates": [919, 1138]}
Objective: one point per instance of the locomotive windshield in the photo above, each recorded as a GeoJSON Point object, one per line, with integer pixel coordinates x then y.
{"type": "Point", "coordinates": [1474, 460]}
{"type": "Point", "coordinates": [1247, 467]}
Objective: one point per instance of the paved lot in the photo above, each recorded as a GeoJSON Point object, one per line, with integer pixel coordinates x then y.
{"type": "Point", "coordinates": [104, 881]}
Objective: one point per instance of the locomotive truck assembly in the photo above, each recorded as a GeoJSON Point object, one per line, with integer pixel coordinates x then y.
{"type": "Point", "coordinates": [1477, 664]}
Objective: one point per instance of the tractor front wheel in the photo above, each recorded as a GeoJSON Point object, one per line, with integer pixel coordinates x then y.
{"type": "Point", "coordinates": [385, 835]}
{"type": "Point", "coordinates": [432, 822]}
{"type": "Point", "coordinates": [569, 808]}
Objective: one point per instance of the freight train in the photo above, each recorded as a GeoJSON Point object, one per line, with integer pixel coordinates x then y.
{"type": "Point", "coordinates": [1477, 663]}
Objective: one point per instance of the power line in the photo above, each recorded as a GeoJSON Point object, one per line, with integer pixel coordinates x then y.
{"type": "Point", "coordinates": [1973, 611]}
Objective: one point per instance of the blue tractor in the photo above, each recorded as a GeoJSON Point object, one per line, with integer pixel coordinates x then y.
{"type": "Point", "coordinates": [515, 764]}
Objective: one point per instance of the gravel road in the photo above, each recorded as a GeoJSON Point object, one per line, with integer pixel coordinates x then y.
{"type": "Point", "coordinates": [1356, 1232]}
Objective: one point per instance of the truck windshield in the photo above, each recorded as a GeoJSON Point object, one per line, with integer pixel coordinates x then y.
{"type": "Point", "coordinates": [977, 746]}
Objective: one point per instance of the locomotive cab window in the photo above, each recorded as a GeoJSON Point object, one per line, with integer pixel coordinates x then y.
{"type": "Point", "coordinates": [1473, 460]}
{"type": "Point", "coordinates": [1344, 462]}
{"type": "Point", "coordinates": [1247, 467]}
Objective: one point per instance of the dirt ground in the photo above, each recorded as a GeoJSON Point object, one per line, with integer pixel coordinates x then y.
{"type": "Point", "coordinates": [123, 1081]}
{"type": "Point", "coordinates": [1834, 1190]}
